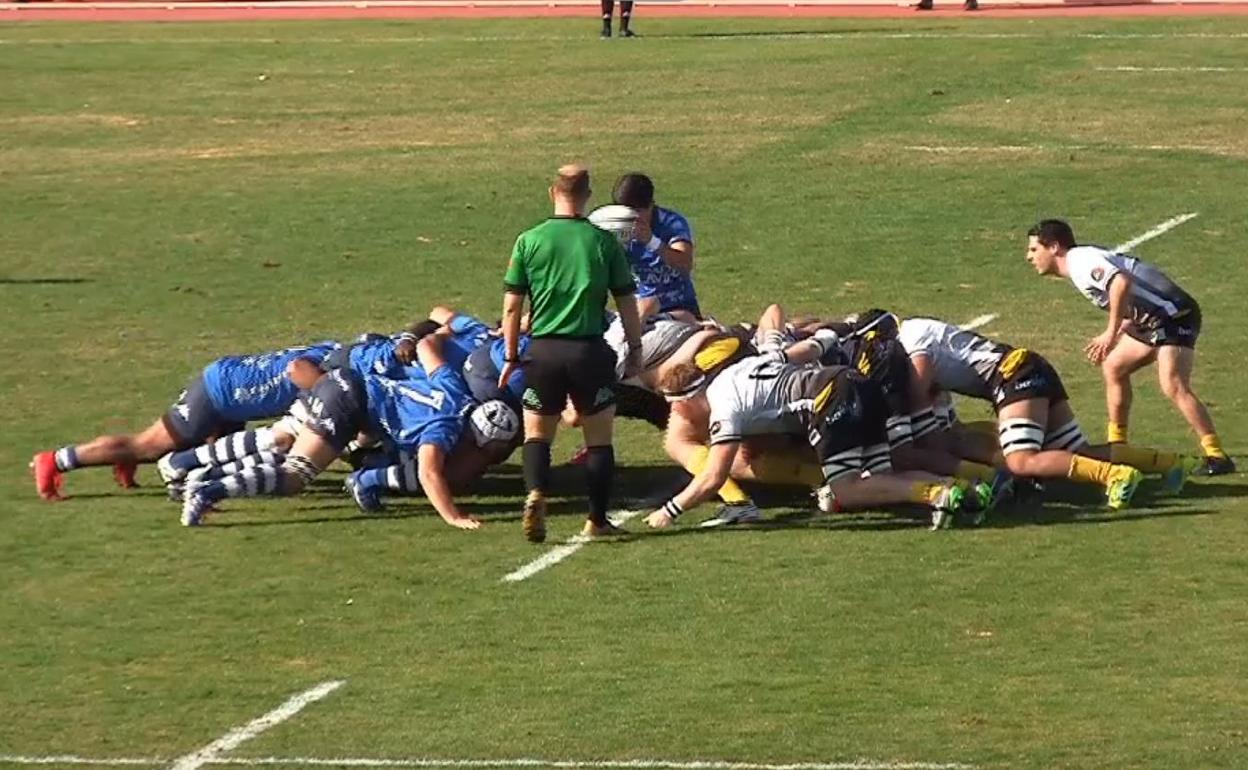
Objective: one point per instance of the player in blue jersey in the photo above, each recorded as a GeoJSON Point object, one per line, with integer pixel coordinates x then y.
{"type": "Point", "coordinates": [422, 417]}
{"type": "Point", "coordinates": [228, 392]}
{"type": "Point", "coordinates": [661, 252]}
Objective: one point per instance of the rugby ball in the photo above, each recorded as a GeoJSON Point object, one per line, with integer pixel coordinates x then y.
{"type": "Point", "coordinates": [617, 220]}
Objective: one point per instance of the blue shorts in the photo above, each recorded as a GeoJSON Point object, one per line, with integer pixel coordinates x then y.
{"type": "Point", "coordinates": [336, 408]}
{"type": "Point", "coordinates": [193, 419]}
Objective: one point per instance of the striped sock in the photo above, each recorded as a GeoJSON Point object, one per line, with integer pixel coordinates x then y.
{"type": "Point", "coordinates": [238, 466]}
{"type": "Point", "coordinates": [66, 459]}
{"type": "Point", "coordinates": [251, 482]}
{"type": "Point", "coordinates": [225, 449]}
{"type": "Point", "coordinates": [395, 478]}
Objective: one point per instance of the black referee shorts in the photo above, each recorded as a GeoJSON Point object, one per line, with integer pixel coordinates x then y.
{"type": "Point", "coordinates": [560, 368]}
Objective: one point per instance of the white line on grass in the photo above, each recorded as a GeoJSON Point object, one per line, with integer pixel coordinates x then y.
{"type": "Point", "coordinates": [980, 320]}
{"type": "Point", "coordinates": [726, 37]}
{"type": "Point", "coordinates": [1164, 227]}
{"type": "Point", "coordinates": [556, 555]}
{"type": "Point", "coordinates": [563, 764]}
{"type": "Point", "coordinates": [211, 753]}
{"type": "Point", "coordinates": [1171, 69]}
{"type": "Point", "coordinates": [955, 149]}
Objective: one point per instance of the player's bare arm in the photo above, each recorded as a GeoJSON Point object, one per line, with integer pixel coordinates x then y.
{"type": "Point", "coordinates": [1119, 293]}
{"type": "Point", "coordinates": [702, 488]}
{"type": "Point", "coordinates": [431, 461]}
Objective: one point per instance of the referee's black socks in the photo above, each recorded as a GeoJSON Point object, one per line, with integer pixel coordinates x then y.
{"type": "Point", "coordinates": [536, 466]}
{"type": "Point", "coordinates": [608, 7]}
{"type": "Point", "coordinates": [626, 14]}
{"type": "Point", "coordinates": [599, 472]}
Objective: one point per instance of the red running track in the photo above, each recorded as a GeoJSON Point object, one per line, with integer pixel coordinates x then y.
{"type": "Point", "coordinates": [158, 12]}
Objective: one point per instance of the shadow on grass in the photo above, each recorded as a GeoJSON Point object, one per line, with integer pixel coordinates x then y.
{"type": "Point", "coordinates": [42, 281]}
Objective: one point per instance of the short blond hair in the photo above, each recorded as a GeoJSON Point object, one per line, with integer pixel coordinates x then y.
{"type": "Point", "coordinates": [572, 180]}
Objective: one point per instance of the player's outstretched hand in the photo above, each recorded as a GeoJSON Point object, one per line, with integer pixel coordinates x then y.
{"type": "Point", "coordinates": [660, 519]}
{"type": "Point", "coordinates": [464, 522]}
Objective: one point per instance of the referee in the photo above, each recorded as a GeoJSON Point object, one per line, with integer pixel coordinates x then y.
{"type": "Point", "coordinates": [566, 266]}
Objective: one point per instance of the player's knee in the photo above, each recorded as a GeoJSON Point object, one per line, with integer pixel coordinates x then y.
{"type": "Point", "coordinates": [1175, 389]}
{"type": "Point", "coordinates": [1019, 463]}
{"type": "Point", "coordinates": [283, 441]}
{"type": "Point", "coordinates": [297, 472]}
{"type": "Point", "coordinates": [1114, 372]}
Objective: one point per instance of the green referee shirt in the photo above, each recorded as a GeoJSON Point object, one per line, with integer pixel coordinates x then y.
{"type": "Point", "coordinates": [567, 266]}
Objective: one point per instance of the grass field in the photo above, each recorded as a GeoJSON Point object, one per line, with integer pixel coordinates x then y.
{"type": "Point", "coordinates": [163, 204]}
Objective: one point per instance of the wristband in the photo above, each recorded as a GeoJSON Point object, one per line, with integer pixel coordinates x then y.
{"type": "Point", "coordinates": [654, 244]}
{"type": "Point", "coordinates": [673, 509]}
{"type": "Point", "coordinates": [507, 360]}
{"type": "Point", "coordinates": [634, 346]}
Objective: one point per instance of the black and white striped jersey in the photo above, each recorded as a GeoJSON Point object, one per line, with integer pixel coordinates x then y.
{"type": "Point", "coordinates": [962, 361]}
{"type": "Point", "coordinates": [1154, 298]}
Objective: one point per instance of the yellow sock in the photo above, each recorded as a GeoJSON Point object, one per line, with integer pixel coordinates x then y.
{"type": "Point", "coordinates": [1088, 469]}
{"type": "Point", "coordinates": [787, 468]}
{"type": "Point", "coordinates": [1212, 445]}
{"type": "Point", "coordinates": [1116, 433]}
{"type": "Point", "coordinates": [925, 493]}
{"type": "Point", "coordinates": [730, 492]}
{"type": "Point", "coordinates": [976, 471]}
{"type": "Point", "coordinates": [1147, 460]}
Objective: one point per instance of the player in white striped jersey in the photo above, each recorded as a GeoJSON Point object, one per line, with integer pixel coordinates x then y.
{"type": "Point", "coordinates": [1037, 430]}
{"type": "Point", "coordinates": [1150, 319]}
{"type": "Point", "coordinates": [782, 392]}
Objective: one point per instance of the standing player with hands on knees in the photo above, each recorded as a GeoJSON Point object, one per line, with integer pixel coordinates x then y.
{"type": "Point", "coordinates": [566, 267]}
{"type": "Point", "coordinates": [1151, 319]}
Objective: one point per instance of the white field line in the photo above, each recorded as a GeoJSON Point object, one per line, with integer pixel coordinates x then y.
{"type": "Point", "coordinates": [1172, 69]}
{"type": "Point", "coordinates": [485, 764]}
{"type": "Point", "coordinates": [955, 149]}
{"type": "Point", "coordinates": [418, 39]}
{"type": "Point", "coordinates": [556, 555]}
{"type": "Point", "coordinates": [980, 320]}
{"type": "Point", "coordinates": [213, 752]}
{"type": "Point", "coordinates": [1164, 227]}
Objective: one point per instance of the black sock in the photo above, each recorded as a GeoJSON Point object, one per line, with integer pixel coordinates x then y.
{"type": "Point", "coordinates": [626, 14]}
{"type": "Point", "coordinates": [537, 466]}
{"type": "Point", "coordinates": [599, 472]}
{"type": "Point", "coordinates": [608, 7]}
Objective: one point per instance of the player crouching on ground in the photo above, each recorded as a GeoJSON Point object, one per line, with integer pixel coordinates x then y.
{"type": "Point", "coordinates": [841, 413]}
{"type": "Point", "coordinates": [1038, 434]}
{"type": "Point", "coordinates": [225, 395]}
{"type": "Point", "coordinates": [868, 342]}
{"type": "Point", "coordinates": [425, 419]}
